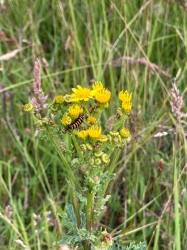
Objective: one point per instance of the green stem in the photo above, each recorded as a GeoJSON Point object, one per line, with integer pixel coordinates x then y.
{"type": "Point", "coordinates": [86, 109]}
{"type": "Point", "coordinates": [89, 209]}
{"type": "Point", "coordinates": [120, 124]}
{"type": "Point", "coordinates": [66, 164]}
{"type": "Point", "coordinates": [89, 213]}
{"type": "Point", "coordinates": [76, 209]}
{"type": "Point", "coordinates": [77, 147]}
{"type": "Point", "coordinates": [115, 159]}
{"type": "Point", "coordinates": [71, 178]}
{"type": "Point", "coordinates": [101, 194]}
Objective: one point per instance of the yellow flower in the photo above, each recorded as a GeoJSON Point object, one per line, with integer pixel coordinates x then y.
{"type": "Point", "coordinates": [59, 99]}
{"type": "Point", "coordinates": [124, 96]}
{"type": "Point", "coordinates": [75, 110]}
{"type": "Point", "coordinates": [103, 95]}
{"type": "Point", "coordinates": [66, 120]}
{"type": "Point", "coordinates": [82, 134]}
{"type": "Point", "coordinates": [97, 86]}
{"type": "Point", "coordinates": [126, 106]}
{"type": "Point", "coordinates": [94, 132]}
{"type": "Point", "coordinates": [92, 120]}
{"type": "Point", "coordinates": [81, 94]}
{"type": "Point", "coordinates": [125, 133]}
{"type": "Point", "coordinates": [28, 107]}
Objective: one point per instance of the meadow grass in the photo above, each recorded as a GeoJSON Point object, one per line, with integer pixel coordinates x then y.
{"type": "Point", "coordinates": [135, 45]}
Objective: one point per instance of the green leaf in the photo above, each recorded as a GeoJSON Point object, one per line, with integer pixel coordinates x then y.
{"type": "Point", "coordinates": [66, 240]}
{"type": "Point", "coordinates": [117, 246]}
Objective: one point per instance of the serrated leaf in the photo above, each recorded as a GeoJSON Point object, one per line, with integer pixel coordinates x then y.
{"type": "Point", "coordinates": [83, 220]}
{"type": "Point", "coordinates": [117, 246]}
{"type": "Point", "coordinates": [66, 240]}
{"type": "Point", "coordinates": [70, 218]}
{"type": "Point", "coordinates": [82, 198]}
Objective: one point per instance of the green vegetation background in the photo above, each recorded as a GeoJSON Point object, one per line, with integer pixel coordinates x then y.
{"type": "Point", "coordinates": [134, 44]}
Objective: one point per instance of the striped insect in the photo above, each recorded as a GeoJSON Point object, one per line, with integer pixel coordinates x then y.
{"type": "Point", "coordinates": [76, 123]}
{"type": "Point", "coordinates": [93, 109]}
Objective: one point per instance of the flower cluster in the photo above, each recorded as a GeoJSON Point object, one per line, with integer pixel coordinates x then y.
{"type": "Point", "coordinates": [76, 115]}
{"type": "Point", "coordinates": [125, 99]}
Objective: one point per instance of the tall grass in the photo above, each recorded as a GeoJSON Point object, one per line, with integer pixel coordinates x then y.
{"type": "Point", "coordinates": [78, 41]}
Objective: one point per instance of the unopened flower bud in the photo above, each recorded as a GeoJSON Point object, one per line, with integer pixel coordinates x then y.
{"type": "Point", "coordinates": [67, 98]}
{"type": "Point", "coordinates": [97, 162]}
{"type": "Point", "coordinates": [62, 146]}
{"type": "Point", "coordinates": [98, 154]}
{"type": "Point", "coordinates": [107, 238]}
{"type": "Point", "coordinates": [109, 138]}
{"type": "Point", "coordinates": [119, 138]}
{"type": "Point", "coordinates": [115, 139]}
{"type": "Point", "coordinates": [53, 107]}
{"type": "Point", "coordinates": [38, 116]}
{"type": "Point", "coordinates": [89, 147]}
{"type": "Point", "coordinates": [103, 138]}
{"type": "Point", "coordinates": [114, 133]}
{"type": "Point", "coordinates": [84, 168]}
{"type": "Point", "coordinates": [105, 158]}
{"type": "Point", "coordinates": [97, 146]}
{"type": "Point", "coordinates": [91, 161]}
{"type": "Point", "coordinates": [83, 147]}
{"type": "Point", "coordinates": [96, 179]}
{"type": "Point", "coordinates": [118, 114]}
{"type": "Point", "coordinates": [129, 139]}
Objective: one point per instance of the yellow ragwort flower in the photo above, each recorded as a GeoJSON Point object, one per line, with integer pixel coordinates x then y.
{"type": "Point", "coordinates": [75, 110]}
{"type": "Point", "coordinates": [28, 107]}
{"type": "Point", "coordinates": [66, 120]}
{"type": "Point", "coordinates": [82, 134]}
{"type": "Point", "coordinates": [92, 120]}
{"type": "Point", "coordinates": [124, 132]}
{"type": "Point", "coordinates": [124, 96]}
{"type": "Point", "coordinates": [97, 86]}
{"type": "Point", "coordinates": [94, 132]}
{"type": "Point", "coordinates": [81, 94]}
{"type": "Point", "coordinates": [59, 99]}
{"type": "Point", "coordinates": [103, 96]}
{"type": "Point", "coordinates": [126, 106]}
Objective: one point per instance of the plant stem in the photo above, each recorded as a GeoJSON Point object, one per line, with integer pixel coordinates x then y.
{"type": "Point", "coordinates": [66, 164]}
{"type": "Point", "coordinates": [71, 178]}
{"type": "Point", "coordinates": [115, 159]}
{"type": "Point", "coordinates": [76, 209]}
{"type": "Point", "coordinates": [77, 147]}
{"type": "Point", "coordinates": [117, 153]}
{"type": "Point", "coordinates": [89, 209]}
{"type": "Point", "coordinates": [89, 213]}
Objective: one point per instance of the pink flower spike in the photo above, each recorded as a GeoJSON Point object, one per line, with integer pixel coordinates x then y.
{"type": "Point", "coordinates": [37, 78]}
{"type": "Point", "coordinates": [42, 97]}
{"type": "Point", "coordinates": [35, 103]}
{"type": "Point", "coordinates": [39, 99]}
